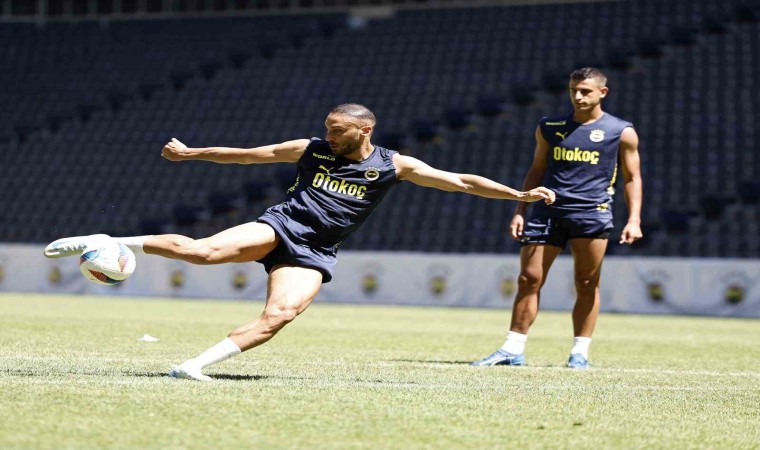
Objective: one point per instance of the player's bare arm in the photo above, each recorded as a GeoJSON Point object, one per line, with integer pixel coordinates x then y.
{"type": "Point", "coordinates": [631, 169]}
{"type": "Point", "coordinates": [416, 171]}
{"type": "Point", "coordinates": [289, 151]}
{"type": "Point", "coordinates": [532, 179]}
{"type": "Point", "coordinates": [537, 168]}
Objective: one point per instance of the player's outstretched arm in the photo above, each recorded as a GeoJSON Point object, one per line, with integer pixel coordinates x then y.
{"type": "Point", "coordinates": [533, 178]}
{"type": "Point", "coordinates": [416, 171]}
{"type": "Point", "coordinates": [631, 168]}
{"type": "Point", "coordinates": [289, 151]}
{"type": "Point", "coordinates": [537, 169]}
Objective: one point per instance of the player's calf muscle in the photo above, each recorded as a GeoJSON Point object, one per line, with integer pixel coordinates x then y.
{"type": "Point", "coordinates": [281, 314]}
{"type": "Point", "coordinates": [176, 246]}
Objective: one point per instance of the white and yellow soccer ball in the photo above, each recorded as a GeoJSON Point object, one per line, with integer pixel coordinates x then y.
{"type": "Point", "coordinates": [107, 262]}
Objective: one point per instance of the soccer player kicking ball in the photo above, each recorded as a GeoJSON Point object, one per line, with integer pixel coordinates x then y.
{"type": "Point", "coordinates": [577, 157]}
{"type": "Point", "coordinates": [341, 180]}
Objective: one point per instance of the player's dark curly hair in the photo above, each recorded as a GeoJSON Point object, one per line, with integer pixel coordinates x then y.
{"type": "Point", "coordinates": [355, 110]}
{"type": "Point", "coordinates": [586, 73]}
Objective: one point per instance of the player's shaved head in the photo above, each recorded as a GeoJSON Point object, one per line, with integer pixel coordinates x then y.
{"type": "Point", "coordinates": [589, 73]}
{"type": "Point", "coordinates": [356, 111]}
{"type": "Point", "coordinates": [349, 127]}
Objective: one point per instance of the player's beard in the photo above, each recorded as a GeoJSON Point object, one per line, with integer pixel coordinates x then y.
{"type": "Point", "coordinates": [345, 149]}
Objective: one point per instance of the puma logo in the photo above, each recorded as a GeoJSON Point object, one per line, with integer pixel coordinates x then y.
{"type": "Point", "coordinates": [325, 169]}
{"type": "Point", "coordinates": [562, 135]}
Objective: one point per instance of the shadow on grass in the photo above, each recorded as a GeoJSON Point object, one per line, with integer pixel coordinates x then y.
{"type": "Point", "coordinates": [146, 374]}
{"type": "Point", "coordinates": [430, 361]}
{"type": "Point", "coordinates": [224, 376]}
{"type": "Point", "coordinates": [126, 374]}
{"type": "Point", "coordinates": [218, 376]}
{"type": "Point", "coordinates": [25, 373]}
{"type": "Point", "coordinates": [460, 363]}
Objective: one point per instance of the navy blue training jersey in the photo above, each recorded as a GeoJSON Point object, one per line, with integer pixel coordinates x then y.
{"type": "Point", "coordinates": [582, 165]}
{"type": "Point", "coordinates": [332, 195]}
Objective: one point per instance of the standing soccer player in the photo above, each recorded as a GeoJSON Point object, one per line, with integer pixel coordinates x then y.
{"type": "Point", "coordinates": [341, 180]}
{"type": "Point", "coordinates": [577, 157]}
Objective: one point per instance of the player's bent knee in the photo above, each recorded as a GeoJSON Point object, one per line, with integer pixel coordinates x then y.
{"type": "Point", "coordinates": [586, 285]}
{"type": "Point", "coordinates": [528, 280]}
{"type": "Point", "coordinates": [281, 315]}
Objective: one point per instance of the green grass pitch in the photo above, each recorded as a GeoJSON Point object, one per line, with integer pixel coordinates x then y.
{"type": "Point", "coordinates": [74, 375]}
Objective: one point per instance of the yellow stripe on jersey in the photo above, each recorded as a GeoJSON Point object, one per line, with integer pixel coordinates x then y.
{"type": "Point", "coordinates": [611, 187]}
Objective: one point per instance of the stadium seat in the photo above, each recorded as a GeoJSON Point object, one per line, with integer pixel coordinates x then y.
{"type": "Point", "coordinates": [713, 206]}
{"type": "Point", "coordinates": [749, 191]}
{"type": "Point", "coordinates": [675, 222]}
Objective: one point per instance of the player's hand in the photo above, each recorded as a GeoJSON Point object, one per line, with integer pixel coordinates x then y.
{"type": "Point", "coordinates": [539, 193]}
{"type": "Point", "coordinates": [516, 226]}
{"type": "Point", "coordinates": [631, 233]}
{"type": "Point", "coordinates": [174, 150]}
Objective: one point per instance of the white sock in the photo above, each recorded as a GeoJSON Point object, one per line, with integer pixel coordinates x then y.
{"type": "Point", "coordinates": [515, 343]}
{"type": "Point", "coordinates": [580, 346]}
{"type": "Point", "coordinates": [220, 352]}
{"type": "Point", "coordinates": [135, 243]}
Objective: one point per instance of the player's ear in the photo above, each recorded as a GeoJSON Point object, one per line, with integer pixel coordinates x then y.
{"type": "Point", "coordinates": [366, 130]}
{"type": "Point", "coordinates": [604, 90]}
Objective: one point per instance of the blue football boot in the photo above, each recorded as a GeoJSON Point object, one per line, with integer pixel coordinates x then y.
{"type": "Point", "coordinates": [500, 358]}
{"type": "Point", "coordinates": [577, 361]}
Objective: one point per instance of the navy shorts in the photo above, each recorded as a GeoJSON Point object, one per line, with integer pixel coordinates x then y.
{"type": "Point", "coordinates": [557, 231]}
{"type": "Point", "coordinates": [290, 251]}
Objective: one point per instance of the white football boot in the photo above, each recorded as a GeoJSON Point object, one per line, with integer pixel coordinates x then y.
{"type": "Point", "coordinates": [188, 373]}
{"type": "Point", "coordinates": [71, 246]}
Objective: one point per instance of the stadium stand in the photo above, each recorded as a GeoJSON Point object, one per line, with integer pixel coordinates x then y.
{"type": "Point", "coordinates": [90, 104]}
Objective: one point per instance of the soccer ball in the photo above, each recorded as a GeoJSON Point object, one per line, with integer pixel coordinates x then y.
{"type": "Point", "coordinates": [107, 262]}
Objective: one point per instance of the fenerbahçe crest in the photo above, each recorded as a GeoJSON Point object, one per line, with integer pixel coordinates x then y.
{"type": "Point", "coordinates": [372, 174]}
{"type": "Point", "coordinates": [596, 136]}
